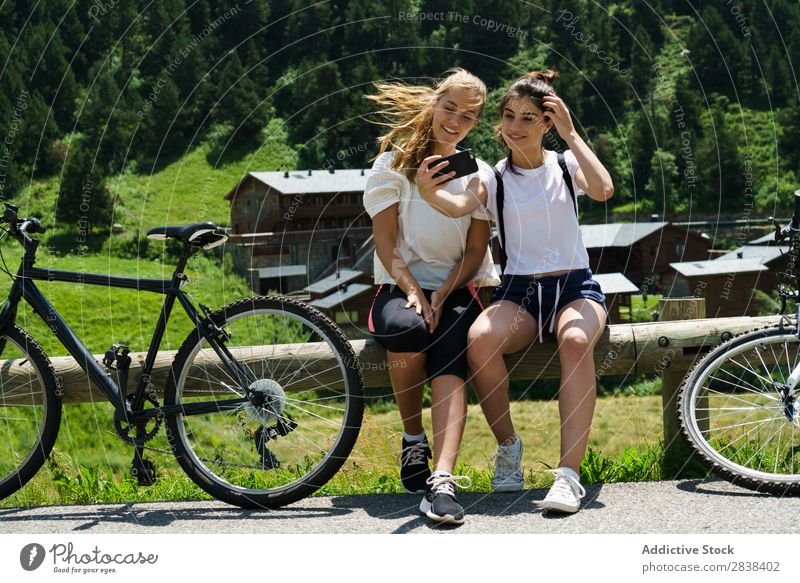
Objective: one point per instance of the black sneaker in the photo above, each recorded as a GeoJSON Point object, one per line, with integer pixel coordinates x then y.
{"type": "Point", "coordinates": [439, 503]}
{"type": "Point", "coordinates": [414, 468]}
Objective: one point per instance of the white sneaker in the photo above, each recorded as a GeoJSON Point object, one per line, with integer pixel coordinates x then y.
{"type": "Point", "coordinates": [566, 492]}
{"type": "Point", "coordinates": [507, 467]}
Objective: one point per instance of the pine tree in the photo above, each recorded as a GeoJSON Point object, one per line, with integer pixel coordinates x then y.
{"type": "Point", "coordinates": [663, 187]}
{"type": "Point", "coordinates": [714, 52]}
{"type": "Point", "coordinates": [108, 120]}
{"type": "Point", "coordinates": [720, 169]}
{"type": "Point", "coordinates": [161, 130]}
{"type": "Point", "coordinates": [84, 204]}
{"type": "Point", "coordinates": [239, 103]}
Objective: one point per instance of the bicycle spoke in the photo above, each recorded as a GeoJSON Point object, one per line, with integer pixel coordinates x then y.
{"type": "Point", "coordinates": [764, 446]}
{"type": "Point", "coordinates": [728, 395]}
{"type": "Point", "coordinates": [339, 409]}
{"type": "Point", "coordinates": [249, 450]}
{"type": "Point", "coordinates": [739, 378]}
{"type": "Point", "coordinates": [30, 411]}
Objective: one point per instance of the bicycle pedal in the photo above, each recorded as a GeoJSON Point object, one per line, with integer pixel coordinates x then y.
{"type": "Point", "coordinates": [117, 354]}
{"type": "Point", "coordinates": [144, 470]}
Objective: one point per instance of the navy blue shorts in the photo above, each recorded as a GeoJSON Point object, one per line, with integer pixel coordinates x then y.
{"type": "Point", "coordinates": [543, 297]}
{"type": "Point", "coordinates": [401, 329]}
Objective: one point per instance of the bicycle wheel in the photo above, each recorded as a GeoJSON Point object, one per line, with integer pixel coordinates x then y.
{"type": "Point", "coordinates": [302, 414]}
{"type": "Point", "coordinates": [736, 412]}
{"type": "Point", "coordinates": [30, 409]}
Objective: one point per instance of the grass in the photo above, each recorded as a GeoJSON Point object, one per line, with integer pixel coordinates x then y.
{"type": "Point", "coordinates": [90, 465]}
{"type": "Point", "coordinates": [643, 308]}
{"type": "Point", "coordinates": [191, 188]}
{"type": "Point", "coordinates": [101, 316]}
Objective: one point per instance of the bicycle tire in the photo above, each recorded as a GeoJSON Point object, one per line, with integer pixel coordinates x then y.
{"type": "Point", "coordinates": [29, 421]}
{"type": "Point", "coordinates": [737, 450]}
{"type": "Point", "coordinates": [213, 449]}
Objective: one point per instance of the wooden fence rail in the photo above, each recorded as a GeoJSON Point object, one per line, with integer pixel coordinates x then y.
{"type": "Point", "coordinates": [666, 347]}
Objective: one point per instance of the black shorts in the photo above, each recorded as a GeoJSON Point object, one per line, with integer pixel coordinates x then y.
{"type": "Point", "coordinates": [400, 329]}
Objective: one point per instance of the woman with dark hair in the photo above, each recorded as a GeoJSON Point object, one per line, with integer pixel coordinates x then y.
{"type": "Point", "coordinates": [547, 286]}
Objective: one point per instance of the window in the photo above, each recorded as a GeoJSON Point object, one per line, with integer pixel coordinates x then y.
{"type": "Point", "coordinates": [350, 317]}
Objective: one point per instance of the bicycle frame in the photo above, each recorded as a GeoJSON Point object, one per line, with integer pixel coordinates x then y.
{"type": "Point", "coordinates": [794, 377]}
{"type": "Point", "coordinates": [794, 251]}
{"type": "Point", "coordinates": [25, 288]}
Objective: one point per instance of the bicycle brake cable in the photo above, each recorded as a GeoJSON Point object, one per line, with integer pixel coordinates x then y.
{"type": "Point", "coordinates": [4, 269]}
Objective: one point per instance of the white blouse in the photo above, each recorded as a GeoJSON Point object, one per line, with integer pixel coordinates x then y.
{"type": "Point", "coordinates": [430, 243]}
{"type": "Point", "coordinates": [540, 221]}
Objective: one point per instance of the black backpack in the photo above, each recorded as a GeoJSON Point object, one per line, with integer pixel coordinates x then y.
{"type": "Point", "coordinates": [501, 196]}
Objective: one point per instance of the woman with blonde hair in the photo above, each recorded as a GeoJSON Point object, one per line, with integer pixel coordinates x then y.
{"type": "Point", "coordinates": [547, 286]}
{"type": "Point", "coordinates": [426, 269]}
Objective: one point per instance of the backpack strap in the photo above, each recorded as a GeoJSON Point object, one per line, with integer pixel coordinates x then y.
{"type": "Point", "coordinates": [568, 179]}
{"type": "Point", "coordinates": [501, 226]}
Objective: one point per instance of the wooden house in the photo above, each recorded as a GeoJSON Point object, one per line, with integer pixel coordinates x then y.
{"type": "Point", "coordinates": [726, 285]}
{"type": "Point", "coordinates": [641, 250]}
{"type": "Point", "coordinates": [287, 227]}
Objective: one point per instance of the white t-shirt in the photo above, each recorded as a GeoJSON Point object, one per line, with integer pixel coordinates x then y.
{"type": "Point", "coordinates": [540, 221]}
{"type": "Point", "coordinates": [430, 243]}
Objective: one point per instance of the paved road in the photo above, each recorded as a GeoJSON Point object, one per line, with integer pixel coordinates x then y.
{"type": "Point", "coordinates": [654, 507]}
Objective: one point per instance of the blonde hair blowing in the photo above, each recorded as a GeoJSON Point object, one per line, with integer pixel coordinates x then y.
{"type": "Point", "coordinates": [409, 111]}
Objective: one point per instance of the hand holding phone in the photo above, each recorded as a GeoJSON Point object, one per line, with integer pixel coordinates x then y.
{"type": "Point", "coordinates": [462, 162]}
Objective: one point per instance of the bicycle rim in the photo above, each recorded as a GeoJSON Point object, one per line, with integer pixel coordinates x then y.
{"type": "Point", "coordinates": [242, 452]}
{"type": "Point", "coordinates": [28, 415]}
{"type": "Point", "coordinates": [737, 414]}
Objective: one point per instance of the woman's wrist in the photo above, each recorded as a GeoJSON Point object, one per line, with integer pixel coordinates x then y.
{"type": "Point", "coordinates": [445, 290]}
{"type": "Point", "coordinates": [572, 137]}
{"type": "Point", "coordinates": [410, 286]}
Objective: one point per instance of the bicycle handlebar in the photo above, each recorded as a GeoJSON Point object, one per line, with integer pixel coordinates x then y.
{"type": "Point", "coordinates": [19, 228]}
{"type": "Point", "coordinates": [30, 225]}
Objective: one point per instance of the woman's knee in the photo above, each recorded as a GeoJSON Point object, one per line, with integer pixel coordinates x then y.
{"type": "Point", "coordinates": [574, 343]}
{"type": "Point", "coordinates": [483, 341]}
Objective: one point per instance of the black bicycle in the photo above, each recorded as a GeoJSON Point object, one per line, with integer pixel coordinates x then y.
{"type": "Point", "coordinates": [262, 404]}
{"type": "Point", "coordinates": [739, 407]}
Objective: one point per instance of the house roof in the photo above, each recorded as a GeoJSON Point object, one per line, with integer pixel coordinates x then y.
{"type": "Point", "coordinates": [615, 283]}
{"type": "Point", "coordinates": [338, 297]}
{"type": "Point", "coordinates": [617, 234]}
{"type": "Point", "coordinates": [309, 182]}
{"type": "Point", "coordinates": [332, 282]}
{"type": "Point", "coordinates": [764, 253]}
{"type": "Point", "coordinates": [716, 267]}
{"type": "Point", "coordinates": [768, 239]}
{"type": "Point", "coordinates": [280, 271]}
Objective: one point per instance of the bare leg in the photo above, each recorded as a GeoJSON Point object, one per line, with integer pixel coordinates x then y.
{"type": "Point", "coordinates": [448, 415]}
{"type": "Point", "coordinates": [407, 373]}
{"type": "Point", "coordinates": [503, 328]}
{"type": "Point", "coordinates": [579, 326]}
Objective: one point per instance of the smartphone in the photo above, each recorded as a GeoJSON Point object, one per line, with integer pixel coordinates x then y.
{"type": "Point", "coordinates": [462, 162]}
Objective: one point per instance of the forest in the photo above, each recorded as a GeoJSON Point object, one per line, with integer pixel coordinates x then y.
{"type": "Point", "coordinates": [692, 106]}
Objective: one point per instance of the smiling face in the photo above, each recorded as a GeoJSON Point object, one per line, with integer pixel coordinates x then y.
{"type": "Point", "coordinates": [523, 125]}
{"type": "Point", "coordinates": [455, 113]}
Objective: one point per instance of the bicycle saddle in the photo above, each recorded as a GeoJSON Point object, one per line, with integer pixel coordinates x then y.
{"type": "Point", "coordinates": [205, 235]}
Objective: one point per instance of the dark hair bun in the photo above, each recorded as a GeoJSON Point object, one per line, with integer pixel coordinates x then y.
{"type": "Point", "coordinates": [547, 76]}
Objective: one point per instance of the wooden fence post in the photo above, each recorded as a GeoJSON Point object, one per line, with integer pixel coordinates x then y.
{"type": "Point", "coordinates": [678, 458]}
